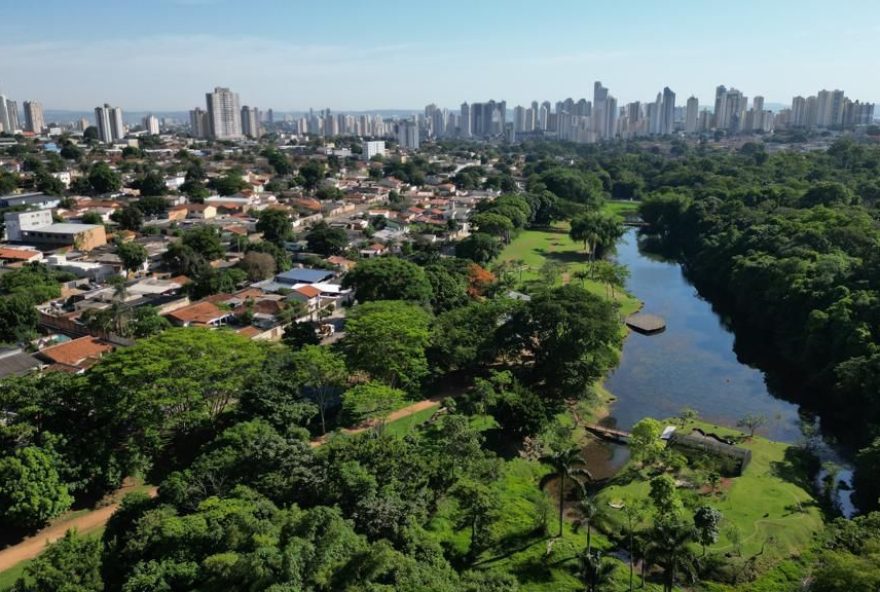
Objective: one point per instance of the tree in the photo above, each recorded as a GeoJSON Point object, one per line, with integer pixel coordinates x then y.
{"type": "Point", "coordinates": [571, 335]}
{"type": "Point", "coordinates": [387, 339]}
{"type": "Point", "coordinates": [104, 180]}
{"type": "Point", "coordinates": [49, 184]}
{"type": "Point", "coordinates": [128, 218]}
{"type": "Point", "coordinates": [664, 495]}
{"type": "Point", "coordinates": [173, 383]}
{"type": "Point", "coordinates": [494, 224]}
{"type": "Point", "coordinates": [320, 374]}
{"type": "Point", "coordinates": [229, 184]}
{"type": "Point", "coordinates": [448, 287]}
{"type": "Point", "coordinates": [644, 443]}
{"type": "Point", "coordinates": [477, 505]}
{"type": "Point", "coordinates": [91, 218]}
{"type": "Point", "coordinates": [598, 231]}
{"type": "Point", "coordinates": [72, 563]}
{"type": "Point", "coordinates": [152, 205]}
{"type": "Point", "coordinates": [371, 401]}
{"type": "Point", "coordinates": [479, 247]}
{"type": "Point", "coordinates": [752, 422]}
{"type": "Point", "coordinates": [31, 491]}
{"type": "Point", "coordinates": [152, 184]}
{"type": "Point", "coordinates": [205, 241]}
{"type": "Point", "coordinates": [275, 225]}
{"type": "Point", "coordinates": [258, 266]}
{"type": "Point", "coordinates": [567, 462]}
{"type": "Point", "coordinates": [589, 511]}
{"type": "Point", "coordinates": [298, 335]}
{"type": "Point", "coordinates": [325, 240]}
{"type": "Point", "coordinates": [707, 522]}
{"type": "Point", "coordinates": [182, 259]}
{"type": "Point", "coordinates": [574, 185]}
{"type": "Point", "coordinates": [595, 572]}
{"type": "Point", "coordinates": [670, 549]}
{"type": "Point", "coordinates": [146, 321]}
{"type": "Point", "coordinates": [132, 255]}
{"type": "Point", "coordinates": [312, 173]}
{"type": "Point", "coordinates": [388, 278]}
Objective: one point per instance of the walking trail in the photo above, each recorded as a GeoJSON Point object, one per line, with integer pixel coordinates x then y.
{"type": "Point", "coordinates": [34, 545]}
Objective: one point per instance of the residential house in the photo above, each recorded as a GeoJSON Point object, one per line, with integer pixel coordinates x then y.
{"type": "Point", "coordinates": [75, 355]}
{"type": "Point", "coordinates": [200, 314]}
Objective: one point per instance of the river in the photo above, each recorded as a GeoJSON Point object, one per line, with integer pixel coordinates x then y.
{"type": "Point", "coordinates": [691, 364]}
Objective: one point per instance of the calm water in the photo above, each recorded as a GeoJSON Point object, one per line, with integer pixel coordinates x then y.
{"type": "Point", "coordinates": [692, 363]}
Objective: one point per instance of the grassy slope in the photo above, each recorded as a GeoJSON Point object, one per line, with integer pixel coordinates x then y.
{"type": "Point", "coordinates": [767, 503]}
{"type": "Point", "coordinates": [534, 247]}
{"type": "Point", "coordinates": [620, 207]}
{"type": "Point", "coordinates": [405, 424]}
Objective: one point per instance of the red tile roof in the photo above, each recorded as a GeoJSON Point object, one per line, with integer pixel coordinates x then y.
{"type": "Point", "coordinates": [200, 313]}
{"type": "Point", "coordinates": [77, 353]}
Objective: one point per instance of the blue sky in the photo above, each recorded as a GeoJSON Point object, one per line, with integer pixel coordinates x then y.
{"type": "Point", "coordinates": [289, 54]}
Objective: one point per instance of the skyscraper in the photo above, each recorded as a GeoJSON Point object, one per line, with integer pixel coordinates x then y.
{"type": "Point", "coordinates": [151, 125]}
{"type": "Point", "coordinates": [720, 107]}
{"type": "Point", "coordinates": [224, 114]}
{"type": "Point", "coordinates": [250, 122]}
{"type": "Point", "coordinates": [692, 115]}
{"type": "Point", "coordinates": [600, 114]}
{"type": "Point", "coordinates": [108, 120]}
{"type": "Point", "coordinates": [198, 123]}
{"type": "Point", "coordinates": [798, 112]}
{"type": "Point", "coordinates": [667, 118]}
{"type": "Point", "coordinates": [408, 135]}
{"type": "Point", "coordinates": [465, 126]}
{"type": "Point", "coordinates": [33, 117]}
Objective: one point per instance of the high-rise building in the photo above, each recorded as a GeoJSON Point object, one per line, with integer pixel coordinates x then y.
{"type": "Point", "coordinates": [812, 112]}
{"type": "Point", "coordinates": [600, 112]}
{"type": "Point", "coordinates": [373, 148]}
{"type": "Point", "coordinates": [667, 118]}
{"type": "Point", "coordinates": [721, 118]}
{"type": "Point", "coordinates": [108, 120]}
{"type": "Point", "coordinates": [465, 127]}
{"type": "Point", "coordinates": [692, 115]}
{"type": "Point", "coordinates": [798, 117]}
{"type": "Point", "coordinates": [838, 100]}
{"type": "Point", "coordinates": [250, 122]}
{"type": "Point", "coordinates": [198, 123]}
{"type": "Point", "coordinates": [33, 117]}
{"type": "Point", "coordinates": [823, 109]}
{"type": "Point", "coordinates": [408, 134]}
{"type": "Point", "coordinates": [270, 117]}
{"type": "Point", "coordinates": [224, 114]}
{"type": "Point", "coordinates": [151, 125]}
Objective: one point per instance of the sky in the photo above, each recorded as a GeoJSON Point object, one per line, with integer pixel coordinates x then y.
{"type": "Point", "coordinates": [163, 55]}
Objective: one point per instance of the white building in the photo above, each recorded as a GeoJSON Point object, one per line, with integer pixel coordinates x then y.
{"type": "Point", "coordinates": [250, 122]}
{"type": "Point", "coordinates": [373, 148]}
{"type": "Point", "coordinates": [151, 124]}
{"type": "Point", "coordinates": [692, 115]}
{"type": "Point", "coordinates": [108, 120]}
{"type": "Point", "coordinates": [408, 135]}
{"type": "Point", "coordinates": [33, 117]}
{"type": "Point", "coordinates": [224, 114]}
{"type": "Point", "coordinates": [16, 222]}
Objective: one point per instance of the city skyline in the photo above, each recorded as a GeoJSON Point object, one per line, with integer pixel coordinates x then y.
{"type": "Point", "coordinates": [395, 56]}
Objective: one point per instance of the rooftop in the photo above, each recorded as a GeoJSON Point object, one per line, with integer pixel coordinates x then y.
{"type": "Point", "coordinates": [78, 353]}
{"type": "Point", "coordinates": [304, 275]}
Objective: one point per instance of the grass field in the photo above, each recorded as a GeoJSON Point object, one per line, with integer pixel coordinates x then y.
{"type": "Point", "coordinates": [404, 425]}
{"type": "Point", "coordinates": [769, 504]}
{"type": "Point", "coordinates": [620, 207]}
{"type": "Point", "coordinates": [533, 247]}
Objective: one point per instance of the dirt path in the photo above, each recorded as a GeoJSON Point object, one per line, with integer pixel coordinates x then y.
{"type": "Point", "coordinates": [34, 545]}
{"type": "Point", "coordinates": [394, 416]}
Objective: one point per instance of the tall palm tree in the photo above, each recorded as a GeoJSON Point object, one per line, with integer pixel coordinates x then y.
{"type": "Point", "coordinates": [669, 548]}
{"type": "Point", "coordinates": [595, 573]}
{"type": "Point", "coordinates": [589, 511]}
{"type": "Point", "coordinates": [567, 462]}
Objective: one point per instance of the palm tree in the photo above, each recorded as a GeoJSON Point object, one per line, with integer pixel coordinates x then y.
{"type": "Point", "coordinates": [595, 573]}
{"type": "Point", "coordinates": [589, 510]}
{"type": "Point", "coordinates": [632, 511]}
{"type": "Point", "coordinates": [669, 547]}
{"type": "Point", "coordinates": [567, 463]}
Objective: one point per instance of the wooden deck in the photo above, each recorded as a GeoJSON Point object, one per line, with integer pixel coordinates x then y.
{"type": "Point", "coordinates": [608, 433]}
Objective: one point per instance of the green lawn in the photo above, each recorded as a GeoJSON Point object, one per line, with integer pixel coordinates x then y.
{"type": "Point", "coordinates": [620, 207]}
{"type": "Point", "coordinates": [533, 247]}
{"type": "Point", "coordinates": [769, 503]}
{"type": "Point", "coordinates": [404, 425]}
